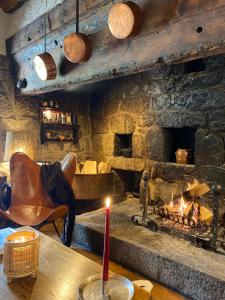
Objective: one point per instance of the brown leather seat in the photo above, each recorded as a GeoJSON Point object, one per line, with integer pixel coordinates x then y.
{"type": "Point", "coordinates": [30, 204]}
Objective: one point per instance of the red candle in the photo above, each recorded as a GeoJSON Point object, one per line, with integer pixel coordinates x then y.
{"type": "Point", "coordinates": [105, 275]}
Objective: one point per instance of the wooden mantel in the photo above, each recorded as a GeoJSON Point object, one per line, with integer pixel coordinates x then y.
{"type": "Point", "coordinates": [173, 31]}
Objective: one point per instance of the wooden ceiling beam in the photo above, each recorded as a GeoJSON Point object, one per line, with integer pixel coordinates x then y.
{"type": "Point", "coordinates": [173, 31]}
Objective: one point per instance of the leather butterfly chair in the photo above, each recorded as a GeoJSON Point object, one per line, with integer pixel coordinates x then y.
{"type": "Point", "coordinates": [30, 204]}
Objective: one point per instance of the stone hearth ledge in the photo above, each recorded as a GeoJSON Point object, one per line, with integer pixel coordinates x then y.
{"type": "Point", "coordinates": [176, 263]}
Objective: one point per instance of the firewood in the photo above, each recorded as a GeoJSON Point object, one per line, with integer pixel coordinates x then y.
{"type": "Point", "coordinates": [90, 167]}
{"type": "Point", "coordinates": [196, 191]}
{"type": "Point", "coordinates": [104, 168]}
{"type": "Point", "coordinates": [205, 214]}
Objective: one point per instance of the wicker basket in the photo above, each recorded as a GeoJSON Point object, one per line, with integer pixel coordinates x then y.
{"type": "Point", "coordinates": [21, 254]}
{"type": "Point", "coordinates": [93, 186]}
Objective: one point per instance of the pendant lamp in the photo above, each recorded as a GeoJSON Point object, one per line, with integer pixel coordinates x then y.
{"type": "Point", "coordinates": [77, 47]}
{"type": "Point", "coordinates": [44, 63]}
{"type": "Point", "coordinates": [125, 20]}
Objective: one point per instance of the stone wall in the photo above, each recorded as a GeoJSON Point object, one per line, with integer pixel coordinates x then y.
{"type": "Point", "coordinates": [55, 151]}
{"type": "Point", "coordinates": [149, 104]}
{"type": "Point", "coordinates": [17, 113]}
{"type": "Point", "coordinates": [22, 114]}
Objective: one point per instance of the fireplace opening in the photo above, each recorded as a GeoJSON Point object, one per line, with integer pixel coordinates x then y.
{"type": "Point", "coordinates": [182, 138]}
{"type": "Point", "coordinates": [131, 181]}
{"type": "Point", "coordinates": [123, 145]}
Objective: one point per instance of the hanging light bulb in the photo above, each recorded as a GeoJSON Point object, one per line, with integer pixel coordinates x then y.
{"type": "Point", "coordinates": [44, 63]}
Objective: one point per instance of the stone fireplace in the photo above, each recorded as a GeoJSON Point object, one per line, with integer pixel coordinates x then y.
{"type": "Point", "coordinates": [133, 104]}
{"type": "Point", "coordinates": [136, 123]}
{"type": "Point", "coordinates": [151, 115]}
{"type": "Point", "coordinates": [164, 109]}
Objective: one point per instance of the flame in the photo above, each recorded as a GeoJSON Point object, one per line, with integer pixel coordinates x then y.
{"type": "Point", "coordinates": [107, 202]}
{"type": "Point", "coordinates": [182, 205]}
{"type": "Point", "coordinates": [177, 206]}
{"type": "Point", "coordinates": [195, 213]}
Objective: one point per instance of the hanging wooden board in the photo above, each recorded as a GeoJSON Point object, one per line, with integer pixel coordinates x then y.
{"type": "Point", "coordinates": [125, 20]}
{"type": "Point", "coordinates": [77, 47]}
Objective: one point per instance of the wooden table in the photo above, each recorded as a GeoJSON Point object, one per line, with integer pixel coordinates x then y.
{"type": "Point", "coordinates": [60, 272]}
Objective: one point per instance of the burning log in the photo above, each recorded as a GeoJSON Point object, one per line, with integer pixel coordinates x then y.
{"type": "Point", "coordinates": [185, 209]}
{"type": "Point", "coordinates": [205, 214]}
{"type": "Point", "coordinates": [196, 192]}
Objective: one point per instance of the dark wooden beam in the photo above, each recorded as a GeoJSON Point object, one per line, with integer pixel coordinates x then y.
{"type": "Point", "coordinates": [173, 31]}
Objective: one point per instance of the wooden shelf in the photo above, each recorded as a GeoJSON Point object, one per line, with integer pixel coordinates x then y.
{"type": "Point", "coordinates": [59, 126]}
{"type": "Point", "coordinates": [53, 127]}
{"type": "Point", "coordinates": [58, 140]}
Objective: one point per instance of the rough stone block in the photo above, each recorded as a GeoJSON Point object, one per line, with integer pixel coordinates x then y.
{"type": "Point", "coordinates": [3, 89]}
{"type": "Point", "coordinates": [135, 105]}
{"type": "Point", "coordinates": [171, 172]}
{"type": "Point", "coordinates": [137, 145]}
{"type": "Point", "coordinates": [24, 107]}
{"type": "Point", "coordinates": [108, 144]}
{"type": "Point", "coordinates": [3, 74]}
{"type": "Point", "coordinates": [84, 124]}
{"type": "Point", "coordinates": [97, 147]}
{"type": "Point", "coordinates": [195, 81]}
{"type": "Point", "coordinates": [209, 149]}
{"type": "Point", "coordinates": [3, 62]}
{"type": "Point", "coordinates": [161, 102]}
{"type": "Point", "coordinates": [122, 124]}
{"type": "Point", "coordinates": [128, 164]}
{"type": "Point", "coordinates": [158, 256]}
{"type": "Point", "coordinates": [176, 119]}
{"type": "Point", "coordinates": [158, 143]}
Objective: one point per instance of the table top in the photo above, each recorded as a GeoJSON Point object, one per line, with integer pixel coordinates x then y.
{"type": "Point", "coordinates": [60, 272]}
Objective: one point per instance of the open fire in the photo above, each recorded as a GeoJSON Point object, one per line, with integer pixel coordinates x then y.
{"type": "Point", "coordinates": [193, 214]}
{"type": "Point", "coordinates": [187, 208]}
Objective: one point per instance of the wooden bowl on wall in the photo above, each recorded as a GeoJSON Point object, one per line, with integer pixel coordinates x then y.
{"type": "Point", "coordinates": [125, 20]}
{"type": "Point", "coordinates": [45, 66]}
{"type": "Point", "coordinates": [77, 47]}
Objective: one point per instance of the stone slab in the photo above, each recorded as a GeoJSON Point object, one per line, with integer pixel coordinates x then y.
{"type": "Point", "coordinates": [176, 263]}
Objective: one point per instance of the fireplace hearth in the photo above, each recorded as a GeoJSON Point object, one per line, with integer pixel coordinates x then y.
{"type": "Point", "coordinates": [195, 272]}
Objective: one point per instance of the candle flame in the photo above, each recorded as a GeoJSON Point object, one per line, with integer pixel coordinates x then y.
{"type": "Point", "coordinates": [107, 202]}
{"type": "Point", "coordinates": [20, 239]}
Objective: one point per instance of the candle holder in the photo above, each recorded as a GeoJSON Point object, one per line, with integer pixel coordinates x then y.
{"type": "Point", "coordinates": [21, 254]}
{"type": "Point", "coordinates": [116, 288]}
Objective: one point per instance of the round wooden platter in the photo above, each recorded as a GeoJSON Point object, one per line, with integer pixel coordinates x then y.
{"type": "Point", "coordinates": [125, 20]}
{"type": "Point", "coordinates": [45, 66]}
{"type": "Point", "coordinates": [77, 47]}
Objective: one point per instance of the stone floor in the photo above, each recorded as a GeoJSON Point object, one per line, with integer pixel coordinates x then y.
{"type": "Point", "coordinates": [195, 272]}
